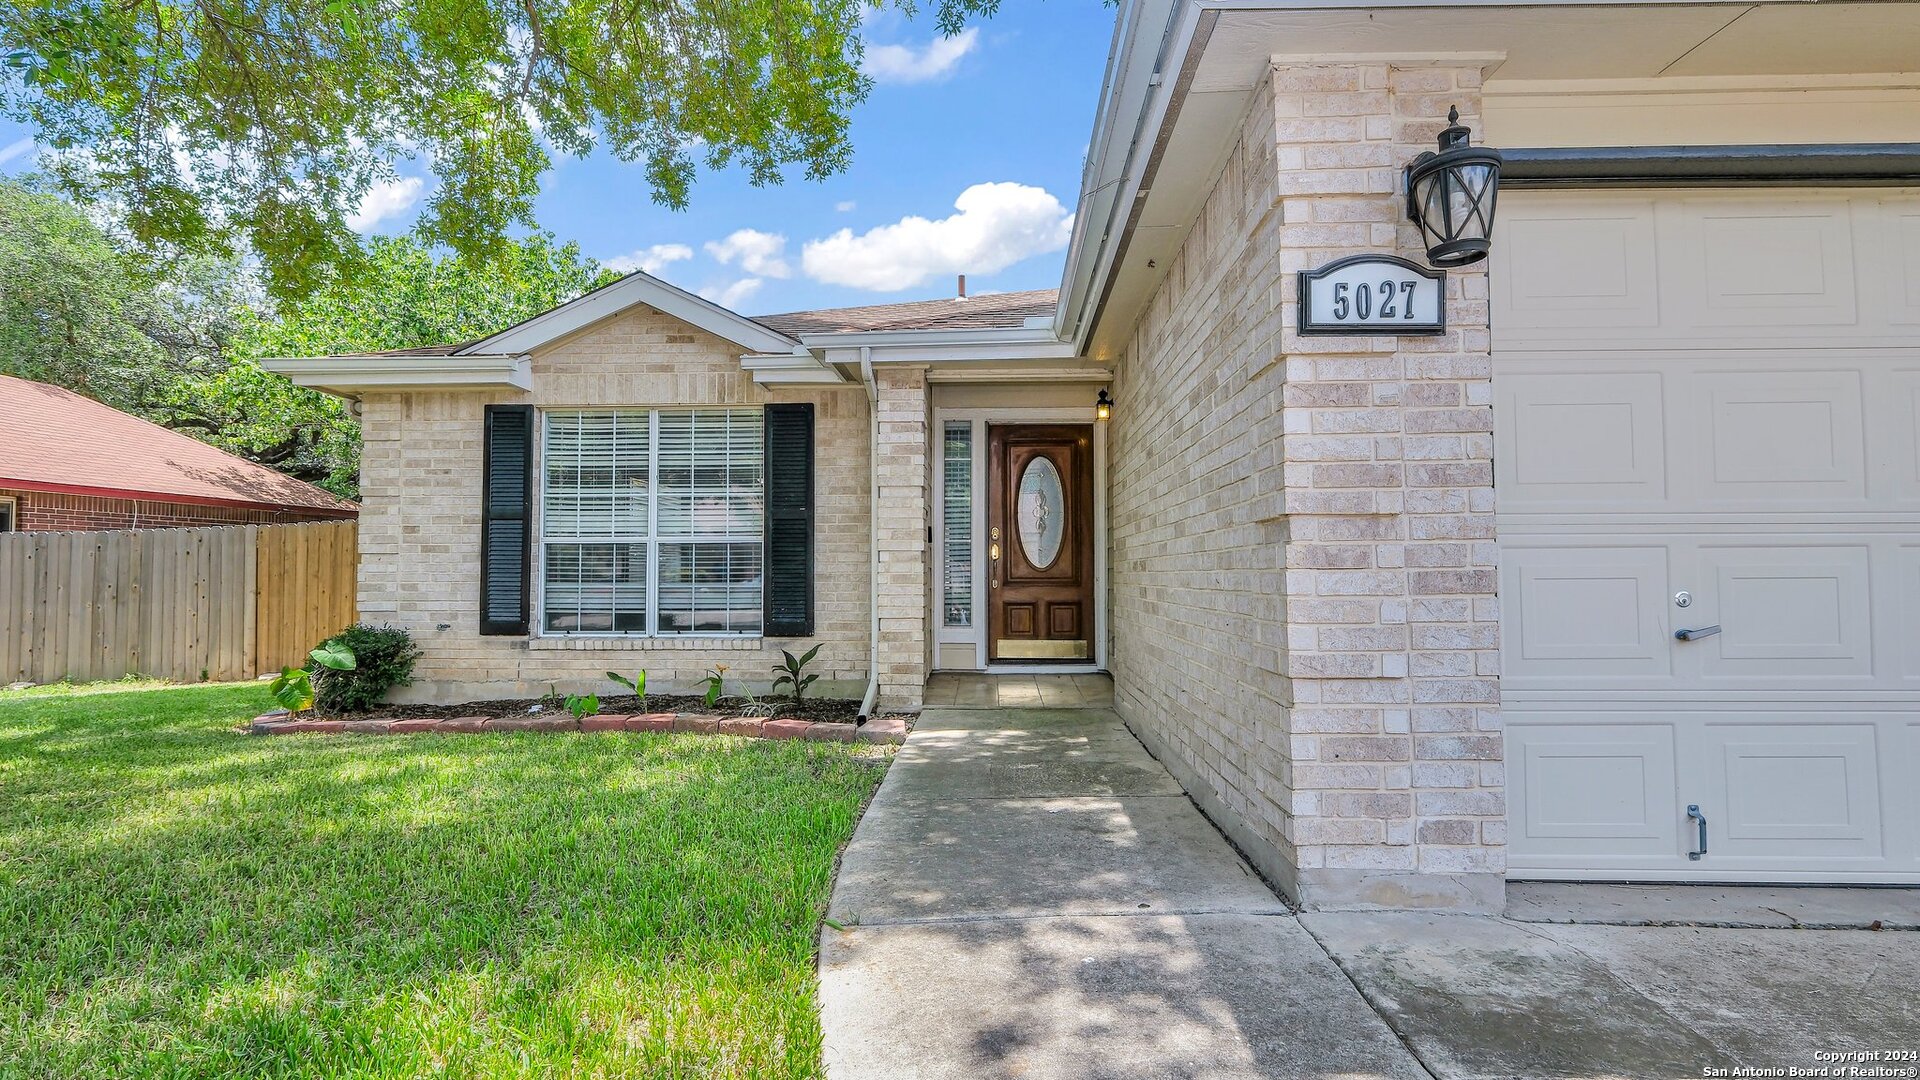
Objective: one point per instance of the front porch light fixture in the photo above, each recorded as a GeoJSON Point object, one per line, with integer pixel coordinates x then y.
{"type": "Point", "coordinates": [1103, 406]}
{"type": "Point", "coordinates": [1450, 197]}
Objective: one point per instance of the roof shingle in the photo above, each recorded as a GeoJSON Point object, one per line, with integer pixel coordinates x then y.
{"type": "Point", "coordinates": [989, 311]}
{"type": "Point", "coordinates": [58, 439]}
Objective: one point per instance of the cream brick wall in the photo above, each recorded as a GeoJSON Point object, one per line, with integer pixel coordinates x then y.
{"type": "Point", "coordinates": [904, 552]}
{"type": "Point", "coordinates": [420, 529]}
{"type": "Point", "coordinates": [1302, 528]}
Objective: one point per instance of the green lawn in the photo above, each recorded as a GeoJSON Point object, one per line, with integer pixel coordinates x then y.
{"type": "Point", "coordinates": [177, 899]}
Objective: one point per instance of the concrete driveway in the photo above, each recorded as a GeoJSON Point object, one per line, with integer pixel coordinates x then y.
{"type": "Point", "coordinates": [1031, 895]}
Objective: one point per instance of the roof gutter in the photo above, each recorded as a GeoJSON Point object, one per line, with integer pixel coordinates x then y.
{"type": "Point", "coordinates": [1134, 96]}
{"type": "Point", "coordinates": [873, 536]}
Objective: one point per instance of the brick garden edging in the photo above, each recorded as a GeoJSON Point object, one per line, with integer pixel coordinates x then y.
{"type": "Point", "coordinates": [886, 730]}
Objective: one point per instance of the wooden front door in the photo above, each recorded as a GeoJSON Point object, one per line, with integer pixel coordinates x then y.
{"type": "Point", "coordinates": [1040, 542]}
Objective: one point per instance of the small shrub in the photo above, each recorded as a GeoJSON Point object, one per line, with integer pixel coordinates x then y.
{"type": "Point", "coordinates": [293, 688]}
{"type": "Point", "coordinates": [637, 684]}
{"type": "Point", "coordinates": [793, 672]}
{"type": "Point", "coordinates": [385, 657]}
{"type": "Point", "coordinates": [715, 683]}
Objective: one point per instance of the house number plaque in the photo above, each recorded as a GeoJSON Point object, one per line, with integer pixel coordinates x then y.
{"type": "Point", "coordinates": [1373, 294]}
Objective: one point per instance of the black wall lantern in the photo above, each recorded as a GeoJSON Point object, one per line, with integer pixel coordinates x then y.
{"type": "Point", "coordinates": [1103, 406]}
{"type": "Point", "coordinates": [1450, 196]}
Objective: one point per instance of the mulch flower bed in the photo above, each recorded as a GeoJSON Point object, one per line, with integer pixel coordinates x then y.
{"type": "Point", "coordinates": [817, 721]}
{"type": "Point", "coordinates": [831, 710]}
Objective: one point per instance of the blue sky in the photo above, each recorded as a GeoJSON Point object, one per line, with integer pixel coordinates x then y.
{"type": "Point", "coordinates": [996, 120]}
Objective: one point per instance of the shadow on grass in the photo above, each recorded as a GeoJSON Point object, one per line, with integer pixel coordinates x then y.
{"type": "Point", "coordinates": [175, 898]}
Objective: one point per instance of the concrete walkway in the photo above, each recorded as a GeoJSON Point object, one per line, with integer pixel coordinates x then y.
{"type": "Point", "coordinates": [1031, 895]}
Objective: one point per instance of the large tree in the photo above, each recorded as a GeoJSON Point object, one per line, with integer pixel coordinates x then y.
{"type": "Point", "coordinates": [177, 342]}
{"type": "Point", "coordinates": [408, 297]}
{"type": "Point", "coordinates": [220, 124]}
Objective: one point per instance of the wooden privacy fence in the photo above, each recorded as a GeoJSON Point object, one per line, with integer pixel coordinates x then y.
{"type": "Point", "coordinates": [184, 604]}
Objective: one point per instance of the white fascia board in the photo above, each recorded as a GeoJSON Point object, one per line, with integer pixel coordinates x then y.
{"type": "Point", "coordinates": [942, 346]}
{"type": "Point", "coordinates": [789, 369]}
{"type": "Point", "coordinates": [636, 288]}
{"type": "Point", "coordinates": [348, 376]}
{"type": "Point", "coordinates": [1135, 95]}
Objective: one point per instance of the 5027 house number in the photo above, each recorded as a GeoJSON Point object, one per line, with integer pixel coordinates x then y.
{"type": "Point", "coordinates": [1372, 294]}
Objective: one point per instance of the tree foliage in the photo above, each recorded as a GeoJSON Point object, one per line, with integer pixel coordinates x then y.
{"type": "Point", "coordinates": [178, 342]}
{"type": "Point", "coordinates": [216, 124]}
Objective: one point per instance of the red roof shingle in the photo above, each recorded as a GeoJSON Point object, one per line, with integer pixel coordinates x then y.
{"type": "Point", "coordinates": [56, 439]}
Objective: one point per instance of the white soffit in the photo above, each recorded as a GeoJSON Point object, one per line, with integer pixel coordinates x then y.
{"type": "Point", "coordinates": [1546, 40]}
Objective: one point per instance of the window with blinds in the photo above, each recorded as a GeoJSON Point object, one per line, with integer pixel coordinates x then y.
{"type": "Point", "coordinates": [956, 479]}
{"type": "Point", "coordinates": [652, 522]}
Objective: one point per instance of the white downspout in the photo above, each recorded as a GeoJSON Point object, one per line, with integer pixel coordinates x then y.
{"type": "Point", "coordinates": [873, 533]}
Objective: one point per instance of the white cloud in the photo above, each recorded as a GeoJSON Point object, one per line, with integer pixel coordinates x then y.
{"type": "Point", "coordinates": [386, 199]}
{"type": "Point", "coordinates": [15, 149]}
{"type": "Point", "coordinates": [906, 64]}
{"type": "Point", "coordinates": [650, 259]}
{"type": "Point", "coordinates": [997, 225]}
{"type": "Point", "coordinates": [759, 253]}
{"type": "Point", "coordinates": [732, 295]}
{"type": "Point", "coordinates": [845, 206]}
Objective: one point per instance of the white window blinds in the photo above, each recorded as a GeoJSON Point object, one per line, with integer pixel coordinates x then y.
{"type": "Point", "coordinates": [651, 521]}
{"type": "Point", "coordinates": [956, 505]}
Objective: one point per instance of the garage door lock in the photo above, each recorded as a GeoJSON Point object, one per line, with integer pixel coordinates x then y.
{"type": "Point", "coordinates": [1694, 815]}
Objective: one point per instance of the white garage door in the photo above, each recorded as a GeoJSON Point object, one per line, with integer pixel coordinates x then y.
{"type": "Point", "coordinates": [1706, 407]}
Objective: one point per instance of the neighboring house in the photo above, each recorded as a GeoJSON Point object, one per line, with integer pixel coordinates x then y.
{"type": "Point", "coordinates": [1399, 610]}
{"type": "Point", "coordinates": [68, 462]}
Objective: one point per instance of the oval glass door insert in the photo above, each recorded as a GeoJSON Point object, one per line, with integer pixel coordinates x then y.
{"type": "Point", "coordinates": [1042, 512]}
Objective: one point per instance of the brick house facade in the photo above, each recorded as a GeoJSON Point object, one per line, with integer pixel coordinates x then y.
{"type": "Point", "coordinates": [47, 511]}
{"type": "Point", "coordinates": [1571, 589]}
{"type": "Point", "coordinates": [68, 462]}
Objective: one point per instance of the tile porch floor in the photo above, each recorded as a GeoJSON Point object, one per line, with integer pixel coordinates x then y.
{"type": "Point", "coordinates": [965, 690]}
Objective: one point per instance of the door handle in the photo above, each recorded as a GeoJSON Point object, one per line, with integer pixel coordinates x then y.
{"type": "Point", "coordinates": [1694, 815]}
{"type": "Point", "coordinates": [1695, 635]}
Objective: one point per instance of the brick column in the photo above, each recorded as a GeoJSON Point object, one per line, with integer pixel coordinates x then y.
{"type": "Point", "coordinates": [902, 514]}
{"type": "Point", "coordinates": [1397, 781]}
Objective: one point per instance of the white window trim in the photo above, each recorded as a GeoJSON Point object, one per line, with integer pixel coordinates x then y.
{"type": "Point", "coordinates": [618, 638]}
{"type": "Point", "coordinates": [976, 635]}
{"type": "Point", "coordinates": [12, 505]}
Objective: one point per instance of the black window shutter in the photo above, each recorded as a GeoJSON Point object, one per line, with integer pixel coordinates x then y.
{"type": "Point", "coordinates": [506, 519]}
{"type": "Point", "coordinates": [789, 558]}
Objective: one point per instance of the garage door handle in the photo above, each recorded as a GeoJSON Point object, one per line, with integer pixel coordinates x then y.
{"type": "Point", "coordinates": [1694, 635]}
{"type": "Point", "coordinates": [1694, 815]}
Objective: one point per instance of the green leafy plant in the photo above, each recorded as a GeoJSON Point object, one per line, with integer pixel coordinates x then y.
{"type": "Point", "coordinates": [384, 657]}
{"type": "Point", "coordinates": [583, 705]}
{"type": "Point", "coordinates": [637, 684]}
{"type": "Point", "coordinates": [293, 687]}
{"type": "Point", "coordinates": [792, 672]}
{"type": "Point", "coordinates": [715, 682]}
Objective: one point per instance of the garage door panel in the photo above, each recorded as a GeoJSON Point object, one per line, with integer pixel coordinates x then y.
{"type": "Point", "coordinates": [1580, 439]}
{"type": "Point", "coordinates": [1792, 791]}
{"type": "Point", "coordinates": [1906, 596]}
{"type": "Point", "coordinates": [1750, 261]}
{"type": "Point", "coordinates": [1592, 790]}
{"type": "Point", "coordinates": [1779, 438]}
{"type": "Point", "coordinates": [1900, 433]}
{"type": "Point", "coordinates": [1714, 393]}
{"type": "Point", "coordinates": [1595, 612]}
{"type": "Point", "coordinates": [1594, 265]}
{"type": "Point", "coordinates": [1785, 611]}
{"type": "Point", "coordinates": [1900, 230]}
